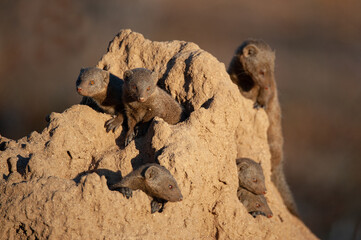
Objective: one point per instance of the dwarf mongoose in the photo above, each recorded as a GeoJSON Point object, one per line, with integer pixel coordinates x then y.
{"type": "Point", "coordinates": [255, 204]}
{"type": "Point", "coordinates": [105, 90]}
{"type": "Point", "coordinates": [153, 179]}
{"type": "Point", "coordinates": [250, 176]}
{"type": "Point", "coordinates": [143, 100]}
{"type": "Point", "coordinates": [252, 69]}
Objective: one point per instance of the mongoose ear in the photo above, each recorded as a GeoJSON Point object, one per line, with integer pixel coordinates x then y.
{"type": "Point", "coordinates": [154, 77]}
{"type": "Point", "coordinates": [250, 50]}
{"type": "Point", "coordinates": [151, 172]}
{"type": "Point", "coordinates": [105, 76]}
{"type": "Point", "coordinates": [127, 74]}
{"type": "Point", "coordinates": [242, 165]}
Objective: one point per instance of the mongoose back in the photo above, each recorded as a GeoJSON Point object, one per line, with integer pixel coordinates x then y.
{"type": "Point", "coordinates": [252, 69]}
{"type": "Point", "coordinates": [153, 179]}
{"type": "Point", "coordinates": [250, 176]}
{"type": "Point", "coordinates": [105, 90]}
{"type": "Point", "coordinates": [255, 204]}
{"type": "Point", "coordinates": [143, 100]}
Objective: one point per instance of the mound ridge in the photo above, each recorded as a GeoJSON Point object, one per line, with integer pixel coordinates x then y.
{"type": "Point", "coordinates": [55, 183]}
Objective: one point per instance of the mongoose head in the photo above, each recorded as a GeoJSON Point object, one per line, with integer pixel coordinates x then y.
{"type": "Point", "coordinates": [250, 175]}
{"type": "Point", "coordinates": [160, 183]}
{"type": "Point", "coordinates": [140, 83]}
{"type": "Point", "coordinates": [92, 81]}
{"type": "Point", "coordinates": [257, 59]}
{"type": "Point", "coordinates": [255, 204]}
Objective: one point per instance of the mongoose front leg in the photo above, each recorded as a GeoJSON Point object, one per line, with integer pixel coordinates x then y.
{"type": "Point", "coordinates": [127, 192]}
{"type": "Point", "coordinates": [130, 134]}
{"type": "Point", "coordinates": [263, 97]}
{"type": "Point", "coordinates": [157, 205]}
{"type": "Point", "coordinates": [114, 123]}
{"type": "Point", "coordinates": [257, 105]}
{"type": "Point", "coordinates": [256, 213]}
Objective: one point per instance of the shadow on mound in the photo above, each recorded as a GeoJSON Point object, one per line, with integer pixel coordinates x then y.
{"type": "Point", "coordinates": [111, 176]}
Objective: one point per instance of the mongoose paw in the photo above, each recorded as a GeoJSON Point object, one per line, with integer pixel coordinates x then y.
{"type": "Point", "coordinates": [127, 192]}
{"type": "Point", "coordinates": [129, 138]}
{"type": "Point", "coordinates": [257, 105]}
{"type": "Point", "coordinates": [256, 213]}
{"type": "Point", "coordinates": [156, 206]}
{"type": "Point", "coordinates": [112, 124]}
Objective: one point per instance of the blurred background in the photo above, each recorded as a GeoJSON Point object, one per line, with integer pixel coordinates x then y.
{"type": "Point", "coordinates": [43, 45]}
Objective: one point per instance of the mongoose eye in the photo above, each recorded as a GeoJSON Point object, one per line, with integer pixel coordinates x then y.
{"type": "Point", "coordinates": [258, 205]}
{"type": "Point", "coordinates": [91, 82]}
{"type": "Point", "coordinates": [254, 180]}
{"type": "Point", "coordinates": [148, 88]}
{"type": "Point", "coordinates": [170, 186]}
{"type": "Point", "coordinates": [262, 72]}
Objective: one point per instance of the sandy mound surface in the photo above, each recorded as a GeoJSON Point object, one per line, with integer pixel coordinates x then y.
{"type": "Point", "coordinates": [54, 184]}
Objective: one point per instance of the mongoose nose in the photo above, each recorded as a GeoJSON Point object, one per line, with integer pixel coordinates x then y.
{"type": "Point", "coordinates": [181, 198]}
{"type": "Point", "coordinates": [78, 89]}
{"type": "Point", "coordinates": [264, 192]}
{"type": "Point", "coordinates": [269, 216]}
{"type": "Point", "coordinates": [141, 99]}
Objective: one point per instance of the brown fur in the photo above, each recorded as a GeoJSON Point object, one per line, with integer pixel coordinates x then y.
{"type": "Point", "coordinates": [252, 69]}
{"type": "Point", "coordinates": [143, 100]}
{"type": "Point", "coordinates": [255, 204]}
{"type": "Point", "coordinates": [105, 90]}
{"type": "Point", "coordinates": [250, 176]}
{"type": "Point", "coordinates": [153, 179]}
